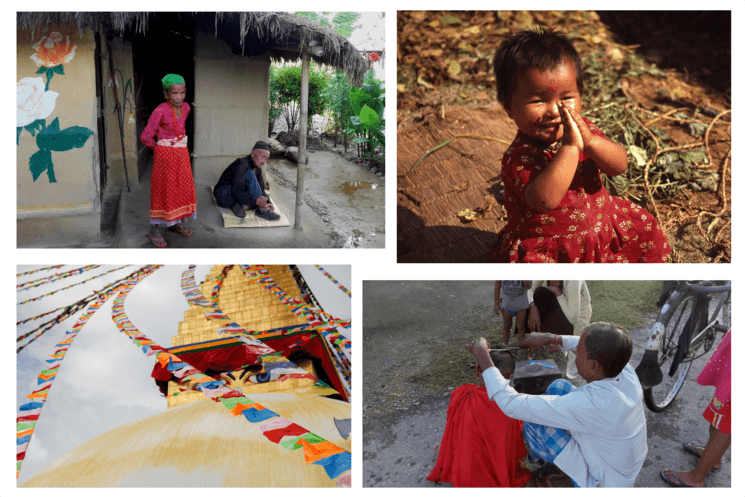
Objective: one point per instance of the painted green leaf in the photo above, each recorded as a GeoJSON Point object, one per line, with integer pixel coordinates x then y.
{"type": "Point", "coordinates": [368, 116]}
{"type": "Point", "coordinates": [54, 125]}
{"type": "Point", "coordinates": [62, 140]}
{"type": "Point", "coordinates": [41, 70]}
{"type": "Point", "coordinates": [356, 120]}
{"type": "Point", "coordinates": [59, 69]}
{"type": "Point", "coordinates": [42, 161]}
{"type": "Point", "coordinates": [18, 133]}
{"type": "Point", "coordinates": [35, 126]}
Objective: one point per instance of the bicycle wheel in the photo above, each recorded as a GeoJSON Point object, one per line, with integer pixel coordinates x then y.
{"type": "Point", "coordinates": [659, 397]}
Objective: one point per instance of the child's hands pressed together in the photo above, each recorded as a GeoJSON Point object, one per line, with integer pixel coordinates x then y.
{"type": "Point", "coordinates": [580, 125]}
{"type": "Point", "coordinates": [572, 132]}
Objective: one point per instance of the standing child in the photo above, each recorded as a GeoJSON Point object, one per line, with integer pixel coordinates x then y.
{"type": "Point", "coordinates": [557, 207]}
{"type": "Point", "coordinates": [172, 196]}
{"type": "Point", "coordinates": [511, 300]}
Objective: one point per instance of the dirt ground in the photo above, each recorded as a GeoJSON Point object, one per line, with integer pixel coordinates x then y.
{"type": "Point", "coordinates": [408, 323]}
{"type": "Point", "coordinates": [660, 81]}
{"type": "Point", "coordinates": [346, 195]}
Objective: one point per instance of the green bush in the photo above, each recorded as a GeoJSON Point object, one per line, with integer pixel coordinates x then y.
{"type": "Point", "coordinates": [338, 104]}
{"type": "Point", "coordinates": [368, 122]}
{"type": "Point", "coordinates": [284, 86]}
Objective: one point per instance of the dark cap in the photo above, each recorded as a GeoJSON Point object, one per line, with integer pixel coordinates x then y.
{"type": "Point", "coordinates": [260, 145]}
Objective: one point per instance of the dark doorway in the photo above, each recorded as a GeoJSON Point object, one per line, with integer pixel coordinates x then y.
{"type": "Point", "coordinates": [167, 47]}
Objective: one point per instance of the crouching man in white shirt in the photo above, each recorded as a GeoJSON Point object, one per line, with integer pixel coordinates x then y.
{"type": "Point", "coordinates": [596, 433]}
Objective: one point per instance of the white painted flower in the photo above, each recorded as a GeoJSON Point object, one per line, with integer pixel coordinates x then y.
{"type": "Point", "coordinates": [33, 102]}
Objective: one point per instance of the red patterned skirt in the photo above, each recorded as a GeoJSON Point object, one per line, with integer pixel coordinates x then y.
{"type": "Point", "coordinates": [172, 195]}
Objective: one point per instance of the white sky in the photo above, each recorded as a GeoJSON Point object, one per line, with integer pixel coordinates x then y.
{"type": "Point", "coordinates": [371, 34]}
{"type": "Point", "coordinates": [104, 380]}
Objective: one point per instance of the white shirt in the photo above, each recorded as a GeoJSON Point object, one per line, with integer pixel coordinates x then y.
{"type": "Point", "coordinates": [605, 418]}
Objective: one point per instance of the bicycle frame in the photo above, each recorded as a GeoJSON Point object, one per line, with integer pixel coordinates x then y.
{"type": "Point", "coordinates": [649, 371]}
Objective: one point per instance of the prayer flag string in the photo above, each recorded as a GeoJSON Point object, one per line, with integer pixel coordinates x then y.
{"type": "Point", "coordinates": [55, 277]}
{"type": "Point", "coordinates": [68, 287]}
{"type": "Point", "coordinates": [336, 461]}
{"type": "Point", "coordinates": [341, 287]}
{"type": "Point", "coordinates": [68, 311]}
{"type": "Point", "coordinates": [29, 413]}
{"type": "Point", "coordinates": [37, 270]}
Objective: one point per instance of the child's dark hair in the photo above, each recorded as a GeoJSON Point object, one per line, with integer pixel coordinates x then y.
{"type": "Point", "coordinates": [543, 49]}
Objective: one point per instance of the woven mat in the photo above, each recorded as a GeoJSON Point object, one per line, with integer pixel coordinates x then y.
{"type": "Point", "coordinates": [447, 182]}
{"type": "Point", "coordinates": [251, 220]}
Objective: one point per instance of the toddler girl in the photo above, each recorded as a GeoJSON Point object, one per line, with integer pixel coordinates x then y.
{"type": "Point", "coordinates": [511, 300]}
{"type": "Point", "coordinates": [557, 207]}
{"type": "Point", "coordinates": [172, 195]}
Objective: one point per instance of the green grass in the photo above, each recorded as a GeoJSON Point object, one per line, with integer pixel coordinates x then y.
{"type": "Point", "coordinates": [624, 303]}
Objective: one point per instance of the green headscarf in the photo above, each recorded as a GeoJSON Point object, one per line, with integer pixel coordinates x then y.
{"type": "Point", "coordinates": [172, 79]}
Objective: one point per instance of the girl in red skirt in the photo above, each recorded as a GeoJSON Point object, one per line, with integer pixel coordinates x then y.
{"type": "Point", "coordinates": [172, 196]}
{"type": "Point", "coordinates": [557, 207]}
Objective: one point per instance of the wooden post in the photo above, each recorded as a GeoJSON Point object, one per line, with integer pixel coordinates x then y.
{"type": "Point", "coordinates": [302, 154]}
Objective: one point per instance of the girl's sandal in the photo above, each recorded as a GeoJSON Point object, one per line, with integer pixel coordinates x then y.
{"type": "Point", "coordinates": [181, 230]}
{"type": "Point", "coordinates": [697, 450]}
{"type": "Point", "coordinates": [157, 242]}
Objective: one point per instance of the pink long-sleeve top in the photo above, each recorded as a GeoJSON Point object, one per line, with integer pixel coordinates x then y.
{"type": "Point", "coordinates": [161, 124]}
{"type": "Point", "coordinates": [718, 371]}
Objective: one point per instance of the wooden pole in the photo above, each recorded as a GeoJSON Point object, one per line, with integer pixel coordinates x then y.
{"type": "Point", "coordinates": [302, 154]}
{"type": "Point", "coordinates": [118, 110]}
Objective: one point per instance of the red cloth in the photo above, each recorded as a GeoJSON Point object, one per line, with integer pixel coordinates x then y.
{"type": "Point", "coordinates": [719, 414]}
{"type": "Point", "coordinates": [288, 431]}
{"type": "Point", "coordinates": [220, 359]}
{"type": "Point", "coordinates": [481, 446]}
{"type": "Point", "coordinates": [589, 225]}
{"type": "Point", "coordinates": [172, 194]}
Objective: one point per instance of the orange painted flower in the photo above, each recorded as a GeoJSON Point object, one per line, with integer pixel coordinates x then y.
{"type": "Point", "coordinates": [53, 50]}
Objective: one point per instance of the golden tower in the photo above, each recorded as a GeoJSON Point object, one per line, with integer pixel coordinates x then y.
{"type": "Point", "coordinates": [197, 442]}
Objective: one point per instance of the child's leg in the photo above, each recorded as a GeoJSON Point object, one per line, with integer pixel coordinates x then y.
{"type": "Point", "coordinates": [507, 318]}
{"type": "Point", "coordinates": [718, 444]}
{"type": "Point", "coordinates": [520, 318]}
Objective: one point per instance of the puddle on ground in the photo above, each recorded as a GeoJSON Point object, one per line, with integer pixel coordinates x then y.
{"type": "Point", "coordinates": [352, 186]}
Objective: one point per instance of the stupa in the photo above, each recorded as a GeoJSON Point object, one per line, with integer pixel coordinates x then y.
{"type": "Point", "coordinates": [197, 442]}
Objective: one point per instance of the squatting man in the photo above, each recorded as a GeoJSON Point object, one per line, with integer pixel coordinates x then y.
{"type": "Point", "coordinates": [597, 433]}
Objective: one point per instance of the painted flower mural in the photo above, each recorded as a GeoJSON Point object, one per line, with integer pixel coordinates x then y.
{"type": "Point", "coordinates": [52, 53]}
{"type": "Point", "coordinates": [35, 102]}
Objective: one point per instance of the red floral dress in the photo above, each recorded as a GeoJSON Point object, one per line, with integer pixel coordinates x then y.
{"type": "Point", "coordinates": [589, 225]}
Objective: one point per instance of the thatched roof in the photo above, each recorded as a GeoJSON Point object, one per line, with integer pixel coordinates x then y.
{"type": "Point", "coordinates": [253, 33]}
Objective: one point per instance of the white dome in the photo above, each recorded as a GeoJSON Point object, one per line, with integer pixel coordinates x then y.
{"type": "Point", "coordinates": [201, 445]}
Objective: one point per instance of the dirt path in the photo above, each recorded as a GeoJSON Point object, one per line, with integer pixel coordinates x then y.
{"type": "Point", "coordinates": [406, 323]}
{"type": "Point", "coordinates": [349, 198]}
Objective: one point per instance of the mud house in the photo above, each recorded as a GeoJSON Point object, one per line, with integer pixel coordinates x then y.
{"type": "Point", "coordinates": [78, 126]}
